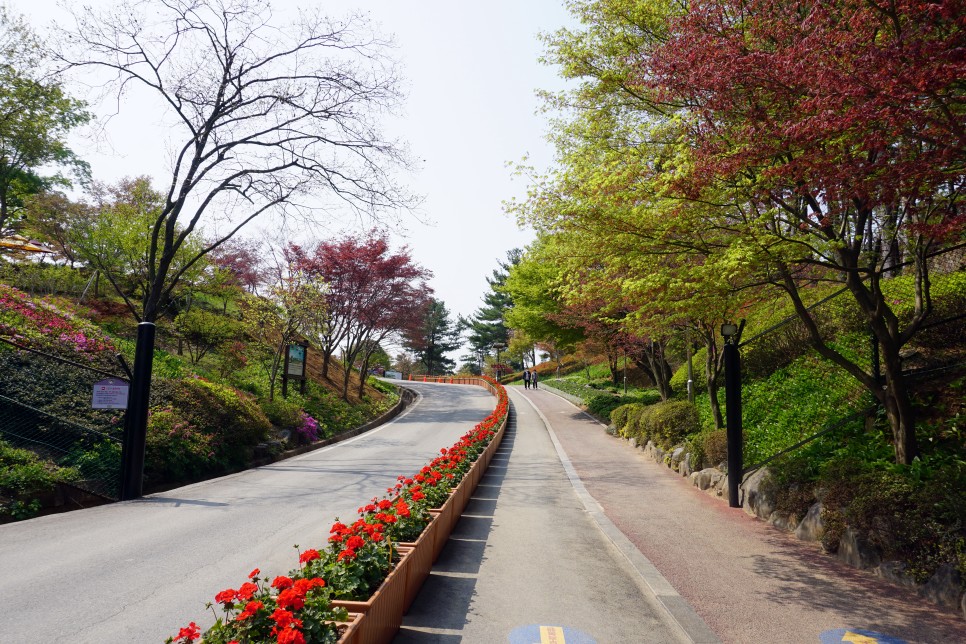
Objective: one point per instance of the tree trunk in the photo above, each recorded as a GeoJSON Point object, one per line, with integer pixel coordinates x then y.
{"type": "Point", "coordinates": [612, 358]}
{"type": "Point", "coordinates": [326, 356]}
{"type": "Point", "coordinates": [898, 407]}
{"type": "Point", "coordinates": [711, 369]}
{"type": "Point", "coordinates": [652, 361]}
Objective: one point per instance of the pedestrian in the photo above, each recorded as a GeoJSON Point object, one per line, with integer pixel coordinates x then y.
{"type": "Point", "coordinates": [533, 378]}
{"type": "Point", "coordinates": [526, 379]}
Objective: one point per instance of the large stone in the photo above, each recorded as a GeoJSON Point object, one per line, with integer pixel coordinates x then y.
{"type": "Point", "coordinates": [783, 521]}
{"type": "Point", "coordinates": [684, 469]}
{"type": "Point", "coordinates": [854, 551]}
{"type": "Point", "coordinates": [633, 441]}
{"type": "Point", "coordinates": [703, 478]}
{"type": "Point", "coordinates": [676, 457]}
{"type": "Point", "coordinates": [719, 483]}
{"type": "Point", "coordinates": [757, 502]}
{"type": "Point", "coordinates": [895, 571]}
{"type": "Point", "coordinates": [944, 587]}
{"type": "Point", "coordinates": [812, 528]}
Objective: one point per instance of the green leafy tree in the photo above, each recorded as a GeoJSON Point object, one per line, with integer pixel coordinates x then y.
{"type": "Point", "coordinates": [117, 241]}
{"type": "Point", "coordinates": [36, 115]}
{"type": "Point", "coordinates": [203, 330]}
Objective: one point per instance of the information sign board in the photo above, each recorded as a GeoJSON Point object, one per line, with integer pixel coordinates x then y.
{"type": "Point", "coordinates": [110, 393]}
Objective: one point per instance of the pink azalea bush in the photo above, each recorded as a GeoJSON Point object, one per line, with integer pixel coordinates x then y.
{"type": "Point", "coordinates": [42, 325]}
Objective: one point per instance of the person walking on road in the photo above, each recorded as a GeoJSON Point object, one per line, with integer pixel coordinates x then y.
{"type": "Point", "coordinates": [526, 379]}
{"type": "Point", "coordinates": [533, 378]}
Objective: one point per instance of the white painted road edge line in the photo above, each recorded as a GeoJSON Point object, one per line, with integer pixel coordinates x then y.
{"type": "Point", "coordinates": [692, 627]}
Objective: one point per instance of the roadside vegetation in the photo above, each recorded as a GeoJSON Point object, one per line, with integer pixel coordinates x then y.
{"type": "Point", "coordinates": [208, 416]}
{"type": "Point", "coordinates": [914, 514]}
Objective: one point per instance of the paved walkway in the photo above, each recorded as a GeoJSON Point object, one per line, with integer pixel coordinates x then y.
{"type": "Point", "coordinates": [527, 563]}
{"type": "Point", "coordinates": [708, 572]}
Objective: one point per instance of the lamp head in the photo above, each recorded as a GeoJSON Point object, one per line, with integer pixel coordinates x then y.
{"type": "Point", "coordinates": [729, 331]}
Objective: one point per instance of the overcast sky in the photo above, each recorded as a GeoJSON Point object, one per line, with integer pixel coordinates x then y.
{"type": "Point", "coordinates": [471, 73]}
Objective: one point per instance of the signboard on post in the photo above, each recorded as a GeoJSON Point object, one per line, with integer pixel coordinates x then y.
{"type": "Point", "coordinates": [295, 362]}
{"type": "Point", "coordinates": [294, 367]}
{"type": "Point", "coordinates": [110, 393]}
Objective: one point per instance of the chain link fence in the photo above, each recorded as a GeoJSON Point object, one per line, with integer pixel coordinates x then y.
{"type": "Point", "coordinates": [46, 407]}
{"type": "Point", "coordinates": [936, 351]}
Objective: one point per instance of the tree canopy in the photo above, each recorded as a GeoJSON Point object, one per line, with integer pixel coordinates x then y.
{"type": "Point", "coordinates": [715, 152]}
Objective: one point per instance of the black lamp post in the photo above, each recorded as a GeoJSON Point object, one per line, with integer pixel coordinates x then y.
{"type": "Point", "coordinates": [732, 364]}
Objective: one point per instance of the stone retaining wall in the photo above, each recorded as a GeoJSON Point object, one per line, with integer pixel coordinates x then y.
{"type": "Point", "coordinates": [944, 588]}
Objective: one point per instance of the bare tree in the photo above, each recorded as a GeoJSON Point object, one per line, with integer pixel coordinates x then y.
{"type": "Point", "coordinates": [265, 119]}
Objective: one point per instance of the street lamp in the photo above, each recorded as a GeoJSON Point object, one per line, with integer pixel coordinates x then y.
{"type": "Point", "coordinates": [732, 364]}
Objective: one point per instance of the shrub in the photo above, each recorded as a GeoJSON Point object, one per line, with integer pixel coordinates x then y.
{"type": "Point", "coordinates": [669, 423]}
{"type": "Point", "coordinates": [197, 428]}
{"type": "Point", "coordinates": [100, 462]}
{"type": "Point", "coordinates": [176, 449]}
{"type": "Point", "coordinates": [284, 412]}
{"type": "Point", "coordinates": [41, 325]}
{"type": "Point", "coordinates": [708, 448]}
{"type": "Point", "coordinates": [308, 429]}
{"type": "Point", "coordinates": [23, 475]}
{"type": "Point", "coordinates": [53, 387]}
{"type": "Point", "coordinates": [602, 405]}
{"type": "Point", "coordinates": [618, 417]}
{"type": "Point", "coordinates": [637, 422]}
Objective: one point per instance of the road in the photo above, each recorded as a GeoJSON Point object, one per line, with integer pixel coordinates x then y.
{"type": "Point", "coordinates": [136, 571]}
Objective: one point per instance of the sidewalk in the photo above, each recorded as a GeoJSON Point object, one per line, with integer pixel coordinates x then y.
{"type": "Point", "coordinates": [527, 563]}
{"type": "Point", "coordinates": [747, 580]}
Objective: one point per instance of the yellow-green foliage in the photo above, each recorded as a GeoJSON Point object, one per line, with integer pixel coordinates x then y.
{"type": "Point", "coordinates": [215, 428]}
{"type": "Point", "coordinates": [669, 423]}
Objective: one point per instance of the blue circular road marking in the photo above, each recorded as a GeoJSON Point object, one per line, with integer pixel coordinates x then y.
{"type": "Point", "coordinates": [857, 636]}
{"type": "Point", "coordinates": [548, 634]}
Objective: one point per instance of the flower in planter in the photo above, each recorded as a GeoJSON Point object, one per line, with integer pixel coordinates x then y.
{"type": "Point", "coordinates": [286, 611]}
{"type": "Point", "coordinates": [295, 609]}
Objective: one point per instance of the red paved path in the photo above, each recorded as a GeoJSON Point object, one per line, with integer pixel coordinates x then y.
{"type": "Point", "coordinates": [749, 581]}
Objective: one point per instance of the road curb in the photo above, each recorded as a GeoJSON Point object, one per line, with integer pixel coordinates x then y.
{"type": "Point", "coordinates": [681, 614]}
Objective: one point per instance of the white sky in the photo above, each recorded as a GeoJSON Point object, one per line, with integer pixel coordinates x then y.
{"type": "Point", "coordinates": [470, 73]}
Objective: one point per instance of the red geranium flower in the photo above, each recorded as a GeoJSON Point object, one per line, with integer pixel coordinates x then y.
{"type": "Point", "coordinates": [250, 609]}
{"type": "Point", "coordinates": [281, 582]}
{"type": "Point", "coordinates": [309, 555]}
{"type": "Point", "coordinates": [189, 633]}
{"type": "Point", "coordinates": [247, 590]}
{"type": "Point", "coordinates": [290, 636]}
{"type": "Point", "coordinates": [290, 599]}
{"type": "Point", "coordinates": [226, 596]}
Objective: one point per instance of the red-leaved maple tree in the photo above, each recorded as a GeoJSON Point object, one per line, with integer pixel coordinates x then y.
{"type": "Point", "coordinates": [841, 124]}
{"type": "Point", "coordinates": [371, 292]}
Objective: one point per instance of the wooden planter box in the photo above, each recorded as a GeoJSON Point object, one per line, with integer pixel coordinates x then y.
{"type": "Point", "coordinates": [381, 615]}
{"type": "Point", "coordinates": [421, 559]}
{"type": "Point", "coordinates": [351, 634]}
{"type": "Point", "coordinates": [447, 518]}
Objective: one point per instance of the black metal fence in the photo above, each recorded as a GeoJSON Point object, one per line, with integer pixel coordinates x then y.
{"type": "Point", "coordinates": [46, 407]}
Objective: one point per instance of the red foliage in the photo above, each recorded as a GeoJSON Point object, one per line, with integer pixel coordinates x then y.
{"type": "Point", "coordinates": [854, 102]}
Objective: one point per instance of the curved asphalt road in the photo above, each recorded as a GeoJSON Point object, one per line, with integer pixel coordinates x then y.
{"type": "Point", "coordinates": [136, 571]}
